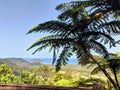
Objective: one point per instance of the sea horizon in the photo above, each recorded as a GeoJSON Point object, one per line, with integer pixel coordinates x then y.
{"type": "Point", "coordinates": [49, 60]}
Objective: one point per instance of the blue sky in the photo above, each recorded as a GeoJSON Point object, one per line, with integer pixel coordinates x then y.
{"type": "Point", "coordinates": [17, 17]}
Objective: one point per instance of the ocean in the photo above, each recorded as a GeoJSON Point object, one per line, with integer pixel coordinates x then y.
{"type": "Point", "coordinates": [48, 60]}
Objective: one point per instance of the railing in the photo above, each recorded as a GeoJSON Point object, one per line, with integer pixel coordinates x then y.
{"type": "Point", "coordinates": [44, 87]}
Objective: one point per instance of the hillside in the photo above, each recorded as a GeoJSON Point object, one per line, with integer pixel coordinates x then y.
{"type": "Point", "coordinates": [17, 63]}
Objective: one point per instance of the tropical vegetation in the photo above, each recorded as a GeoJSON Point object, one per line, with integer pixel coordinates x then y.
{"type": "Point", "coordinates": [83, 26]}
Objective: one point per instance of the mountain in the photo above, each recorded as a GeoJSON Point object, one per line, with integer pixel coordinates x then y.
{"type": "Point", "coordinates": [19, 63]}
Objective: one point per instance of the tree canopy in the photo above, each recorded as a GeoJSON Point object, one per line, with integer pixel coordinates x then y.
{"type": "Point", "coordinates": [81, 27]}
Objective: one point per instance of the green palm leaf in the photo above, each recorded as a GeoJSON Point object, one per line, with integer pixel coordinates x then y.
{"type": "Point", "coordinates": [112, 27]}
{"type": "Point", "coordinates": [63, 58]}
{"type": "Point", "coordinates": [52, 40]}
{"type": "Point", "coordinates": [51, 27]}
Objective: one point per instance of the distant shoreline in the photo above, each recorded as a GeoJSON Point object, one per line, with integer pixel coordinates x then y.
{"type": "Point", "coordinates": [48, 60]}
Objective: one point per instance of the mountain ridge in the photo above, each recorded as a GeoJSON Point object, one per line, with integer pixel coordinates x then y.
{"type": "Point", "coordinates": [17, 63]}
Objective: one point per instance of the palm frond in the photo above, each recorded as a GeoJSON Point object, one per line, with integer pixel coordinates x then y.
{"type": "Point", "coordinates": [81, 54]}
{"type": "Point", "coordinates": [40, 48]}
{"type": "Point", "coordinates": [54, 40]}
{"type": "Point", "coordinates": [111, 27]}
{"type": "Point", "coordinates": [96, 35]}
{"type": "Point", "coordinates": [51, 27]}
{"type": "Point", "coordinates": [70, 14]}
{"type": "Point", "coordinates": [63, 58]}
{"type": "Point", "coordinates": [98, 47]}
{"type": "Point", "coordinates": [97, 69]}
{"type": "Point", "coordinates": [100, 59]}
{"type": "Point", "coordinates": [80, 4]}
{"type": "Point", "coordinates": [93, 80]}
{"type": "Point", "coordinates": [71, 5]}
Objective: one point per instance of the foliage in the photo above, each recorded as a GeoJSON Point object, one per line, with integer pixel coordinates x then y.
{"type": "Point", "coordinates": [63, 82]}
{"type": "Point", "coordinates": [114, 65]}
{"type": "Point", "coordinates": [75, 33]}
{"type": "Point", "coordinates": [75, 82]}
{"type": "Point", "coordinates": [29, 77]}
{"type": "Point", "coordinates": [111, 62]}
{"type": "Point", "coordinates": [58, 76]}
{"type": "Point", "coordinates": [44, 71]}
{"type": "Point", "coordinates": [62, 78]}
{"type": "Point", "coordinates": [6, 74]}
{"type": "Point", "coordinates": [81, 27]}
{"type": "Point", "coordinates": [4, 70]}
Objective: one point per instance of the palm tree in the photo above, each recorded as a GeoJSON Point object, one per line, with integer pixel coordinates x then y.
{"type": "Point", "coordinates": [110, 62]}
{"type": "Point", "coordinates": [78, 31]}
{"type": "Point", "coordinates": [114, 65]}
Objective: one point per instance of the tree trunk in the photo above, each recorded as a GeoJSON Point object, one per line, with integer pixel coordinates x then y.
{"type": "Point", "coordinates": [116, 79]}
{"type": "Point", "coordinates": [103, 70]}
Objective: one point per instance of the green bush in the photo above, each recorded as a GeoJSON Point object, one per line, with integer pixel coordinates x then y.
{"type": "Point", "coordinates": [63, 82]}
